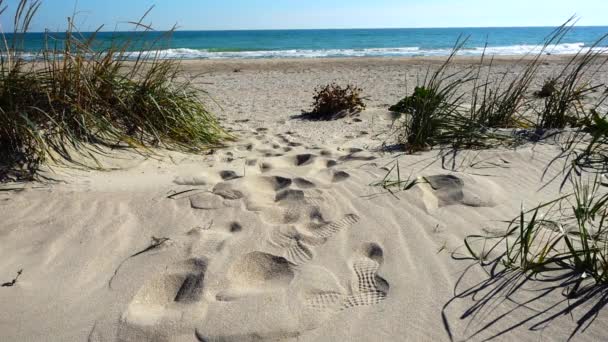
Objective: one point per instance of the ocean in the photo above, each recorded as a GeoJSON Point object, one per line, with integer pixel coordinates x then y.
{"type": "Point", "coordinates": [348, 43]}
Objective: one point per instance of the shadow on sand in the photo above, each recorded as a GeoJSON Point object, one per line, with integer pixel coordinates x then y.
{"type": "Point", "coordinates": [510, 299]}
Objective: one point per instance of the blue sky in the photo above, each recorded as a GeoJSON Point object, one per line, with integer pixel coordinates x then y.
{"type": "Point", "coordinates": [305, 14]}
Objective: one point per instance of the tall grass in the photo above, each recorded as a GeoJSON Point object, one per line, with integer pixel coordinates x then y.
{"type": "Point", "coordinates": [431, 114]}
{"type": "Point", "coordinates": [495, 105]}
{"type": "Point", "coordinates": [501, 103]}
{"type": "Point", "coordinates": [435, 114]}
{"type": "Point", "coordinates": [73, 98]}
{"type": "Point", "coordinates": [564, 94]}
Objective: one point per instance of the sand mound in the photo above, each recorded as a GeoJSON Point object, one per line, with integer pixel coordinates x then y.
{"type": "Point", "coordinates": [278, 237]}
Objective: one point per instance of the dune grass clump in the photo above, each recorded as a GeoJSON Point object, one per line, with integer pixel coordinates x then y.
{"type": "Point", "coordinates": [72, 98]}
{"type": "Point", "coordinates": [422, 97]}
{"type": "Point", "coordinates": [333, 101]}
{"type": "Point", "coordinates": [502, 103]}
{"type": "Point", "coordinates": [498, 104]}
{"type": "Point", "coordinates": [564, 94]}
{"type": "Point", "coordinates": [432, 113]}
{"type": "Point", "coordinates": [435, 115]}
{"type": "Point", "coordinates": [424, 106]}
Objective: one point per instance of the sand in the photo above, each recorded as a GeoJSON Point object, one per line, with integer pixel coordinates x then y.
{"type": "Point", "coordinates": [280, 236]}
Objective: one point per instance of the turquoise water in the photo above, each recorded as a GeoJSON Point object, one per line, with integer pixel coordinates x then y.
{"type": "Point", "coordinates": [350, 43]}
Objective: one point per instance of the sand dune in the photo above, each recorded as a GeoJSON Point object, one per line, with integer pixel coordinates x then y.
{"type": "Point", "coordinates": [278, 237]}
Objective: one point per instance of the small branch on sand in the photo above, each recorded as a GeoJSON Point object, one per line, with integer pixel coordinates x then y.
{"type": "Point", "coordinates": [156, 242]}
{"type": "Point", "coordinates": [14, 281]}
{"type": "Point", "coordinates": [172, 196]}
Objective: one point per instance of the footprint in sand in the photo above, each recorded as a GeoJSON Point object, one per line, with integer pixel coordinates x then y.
{"type": "Point", "coordinates": [235, 227]}
{"type": "Point", "coordinates": [327, 230]}
{"type": "Point", "coordinates": [295, 246]}
{"type": "Point", "coordinates": [370, 288]}
{"type": "Point", "coordinates": [446, 190]}
{"type": "Point", "coordinates": [326, 153]}
{"type": "Point", "coordinates": [206, 201]}
{"type": "Point", "coordinates": [227, 191]}
{"type": "Point", "coordinates": [304, 159]}
{"type": "Point", "coordinates": [298, 246]}
{"type": "Point", "coordinates": [367, 287]}
{"type": "Point", "coordinates": [228, 175]}
{"type": "Point", "coordinates": [192, 287]}
{"type": "Point", "coordinates": [277, 183]}
{"type": "Point", "coordinates": [175, 298]}
{"type": "Point", "coordinates": [255, 273]}
{"type": "Point", "coordinates": [206, 241]}
{"type": "Point", "coordinates": [160, 302]}
{"type": "Point", "coordinates": [339, 176]}
{"type": "Point", "coordinates": [292, 206]}
{"type": "Point", "coordinates": [279, 278]}
{"type": "Point", "coordinates": [303, 183]}
{"type": "Point", "coordinates": [265, 167]}
{"type": "Point", "coordinates": [247, 147]}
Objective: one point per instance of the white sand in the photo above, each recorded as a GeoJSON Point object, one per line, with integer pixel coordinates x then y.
{"type": "Point", "coordinates": [297, 247]}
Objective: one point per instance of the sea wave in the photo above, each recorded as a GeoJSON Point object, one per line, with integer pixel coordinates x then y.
{"type": "Point", "coordinates": [513, 50]}
{"type": "Point", "coordinates": [516, 50]}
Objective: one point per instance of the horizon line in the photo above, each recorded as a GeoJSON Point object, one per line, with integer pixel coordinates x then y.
{"type": "Point", "coordinates": [330, 29]}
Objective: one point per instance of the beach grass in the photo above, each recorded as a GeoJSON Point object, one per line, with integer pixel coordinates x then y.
{"type": "Point", "coordinates": [564, 94]}
{"type": "Point", "coordinates": [435, 113]}
{"type": "Point", "coordinates": [502, 103]}
{"type": "Point", "coordinates": [432, 114]}
{"type": "Point", "coordinates": [568, 234]}
{"type": "Point", "coordinates": [71, 99]}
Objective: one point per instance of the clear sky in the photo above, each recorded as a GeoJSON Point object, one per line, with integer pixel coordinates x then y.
{"type": "Point", "coordinates": [306, 14]}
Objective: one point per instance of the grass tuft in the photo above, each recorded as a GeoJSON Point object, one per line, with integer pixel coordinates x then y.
{"type": "Point", "coordinates": [501, 111]}
{"type": "Point", "coordinates": [431, 114]}
{"type": "Point", "coordinates": [563, 95]}
{"type": "Point", "coordinates": [74, 97]}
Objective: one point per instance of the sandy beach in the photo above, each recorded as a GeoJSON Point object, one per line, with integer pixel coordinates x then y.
{"type": "Point", "coordinates": [283, 235]}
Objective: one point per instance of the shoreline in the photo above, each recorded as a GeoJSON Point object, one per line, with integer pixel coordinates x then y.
{"type": "Point", "coordinates": [228, 63]}
{"type": "Point", "coordinates": [285, 225]}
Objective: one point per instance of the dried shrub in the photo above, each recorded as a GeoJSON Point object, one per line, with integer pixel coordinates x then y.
{"type": "Point", "coordinates": [547, 89]}
{"type": "Point", "coordinates": [334, 101]}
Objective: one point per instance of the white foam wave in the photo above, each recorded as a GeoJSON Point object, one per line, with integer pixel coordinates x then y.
{"type": "Point", "coordinates": [559, 49]}
{"type": "Point", "coordinates": [514, 50]}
